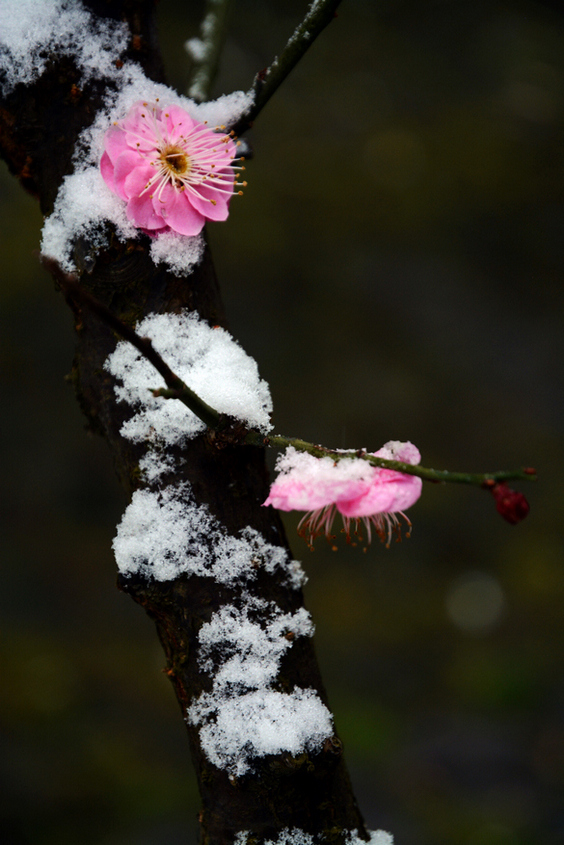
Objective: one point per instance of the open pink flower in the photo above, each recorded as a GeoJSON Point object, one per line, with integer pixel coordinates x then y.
{"type": "Point", "coordinates": [173, 172]}
{"type": "Point", "coordinates": [360, 492]}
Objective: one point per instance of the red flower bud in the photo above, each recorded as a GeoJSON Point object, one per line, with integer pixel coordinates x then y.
{"type": "Point", "coordinates": [511, 504]}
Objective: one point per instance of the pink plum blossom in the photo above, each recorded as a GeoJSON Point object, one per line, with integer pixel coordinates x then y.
{"type": "Point", "coordinates": [360, 492]}
{"type": "Point", "coordinates": [173, 172]}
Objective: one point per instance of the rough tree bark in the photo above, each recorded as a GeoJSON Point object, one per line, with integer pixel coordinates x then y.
{"type": "Point", "coordinates": [39, 126]}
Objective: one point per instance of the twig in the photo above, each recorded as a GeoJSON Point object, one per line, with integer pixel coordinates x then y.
{"type": "Point", "coordinates": [319, 15]}
{"type": "Point", "coordinates": [206, 50]}
{"type": "Point", "coordinates": [177, 389]}
{"type": "Point", "coordinates": [487, 479]}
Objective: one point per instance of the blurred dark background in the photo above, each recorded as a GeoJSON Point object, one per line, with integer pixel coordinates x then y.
{"type": "Point", "coordinates": [395, 267]}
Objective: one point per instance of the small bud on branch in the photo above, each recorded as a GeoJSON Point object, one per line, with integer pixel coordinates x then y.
{"type": "Point", "coordinates": [511, 504]}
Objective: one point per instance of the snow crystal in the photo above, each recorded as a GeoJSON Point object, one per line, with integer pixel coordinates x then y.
{"type": "Point", "coordinates": [207, 359]}
{"type": "Point", "coordinates": [163, 534]}
{"type": "Point", "coordinates": [377, 837]}
{"type": "Point", "coordinates": [83, 204]}
{"type": "Point", "coordinates": [292, 837]}
{"type": "Point", "coordinates": [240, 727]}
{"type": "Point", "coordinates": [153, 464]}
{"type": "Point", "coordinates": [325, 471]}
{"type": "Point", "coordinates": [295, 836]}
{"type": "Point", "coordinates": [224, 111]}
{"type": "Point", "coordinates": [32, 31]}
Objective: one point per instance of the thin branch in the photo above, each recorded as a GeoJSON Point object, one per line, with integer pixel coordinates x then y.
{"type": "Point", "coordinates": [177, 389]}
{"type": "Point", "coordinates": [319, 15]}
{"type": "Point", "coordinates": [487, 479]}
{"type": "Point", "coordinates": [205, 51]}
{"type": "Point", "coordinates": [74, 291]}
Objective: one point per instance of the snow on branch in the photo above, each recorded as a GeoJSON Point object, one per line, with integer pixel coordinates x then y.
{"type": "Point", "coordinates": [244, 716]}
{"type": "Point", "coordinates": [165, 534]}
{"type": "Point", "coordinates": [219, 372]}
{"type": "Point", "coordinates": [296, 836]}
{"type": "Point", "coordinates": [206, 50]}
{"type": "Point", "coordinates": [32, 32]}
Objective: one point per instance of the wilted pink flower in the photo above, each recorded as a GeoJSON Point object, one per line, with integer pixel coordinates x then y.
{"type": "Point", "coordinates": [173, 172]}
{"type": "Point", "coordinates": [360, 492]}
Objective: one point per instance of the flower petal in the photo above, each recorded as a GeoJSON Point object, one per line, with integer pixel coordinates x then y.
{"type": "Point", "coordinates": [141, 212]}
{"type": "Point", "coordinates": [389, 493]}
{"type": "Point", "coordinates": [176, 122]}
{"type": "Point", "coordinates": [180, 215]}
{"type": "Point", "coordinates": [136, 180]}
{"type": "Point", "coordinates": [126, 164]}
{"type": "Point", "coordinates": [210, 202]}
{"type": "Point", "coordinates": [290, 493]}
{"type": "Point", "coordinates": [396, 450]}
{"type": "Point", "coordinates": [115, 143]}
{"type": "Point", "coordinates": [107, 171]}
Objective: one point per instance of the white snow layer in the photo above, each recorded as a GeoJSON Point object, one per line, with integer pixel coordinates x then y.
{"type": "Point", "coordinates": [243, 717]}
{"type": "Point", "coordinates": [323, 470]}
{"type": "Point", "coordinates": [295, 836]}
{"type": "Point", "coordinates": [180, 252]}
{"type": "Point", "coordinates": [207, 359]}
{"type": "Point", "coordinates": [257, 723]}
{"type": "Point", "coordinates": [164, 534]}
{"type": "Point", "coordinates": [30, 32]}
{"type": "Point", "coordinates": [250, 652]}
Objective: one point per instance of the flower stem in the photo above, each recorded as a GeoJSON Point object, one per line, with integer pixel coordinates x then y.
{"type": "Point", "coordinates": [319, 15]}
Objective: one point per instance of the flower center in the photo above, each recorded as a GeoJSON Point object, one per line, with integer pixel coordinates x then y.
{"type": "Point", "coordinates": [175, 160]}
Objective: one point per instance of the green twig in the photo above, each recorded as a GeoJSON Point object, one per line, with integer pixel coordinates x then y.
{"type": "Point", "coordinates": [319, 15]}
{"type": "Point", "coordinates": [487, 479]}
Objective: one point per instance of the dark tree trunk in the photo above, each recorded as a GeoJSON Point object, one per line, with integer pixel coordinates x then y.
{"type": "Point", "coordinates": [39, 126]}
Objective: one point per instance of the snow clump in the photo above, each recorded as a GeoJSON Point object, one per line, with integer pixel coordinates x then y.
{"type": "Point", "coordinates": [207, 359]}
{"type": "Point", "coordinates": [32, 31]}
{"type": "Point", "coordinates": [238, 728]}
{"type": "Point", "coordinates": [243, 717]}
{"type": "Point", "coordinates": [165, 534]}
